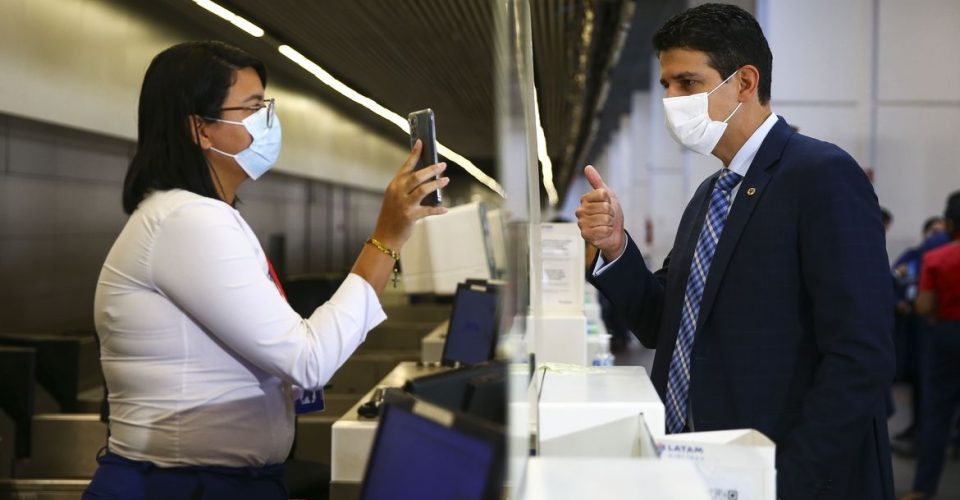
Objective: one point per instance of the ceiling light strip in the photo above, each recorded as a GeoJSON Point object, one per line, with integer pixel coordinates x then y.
{"type": "Point", "coordinates": [329, 80]}
{"type": "Point", "coordinates": [546, 166]}
{"type": "Point", "coordinates": [232, 18]}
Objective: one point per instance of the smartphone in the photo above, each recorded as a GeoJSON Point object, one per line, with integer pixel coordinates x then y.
{"type": "Point", "coordinates": [422, 127]}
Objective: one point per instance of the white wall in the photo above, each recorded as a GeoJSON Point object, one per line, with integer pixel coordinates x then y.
{"type": "Point", "coordinates": [918, 112]}
{"type": "Point", "coordinates": [875, 81]}
{"type": "Point", "coordinates": [80, 63]}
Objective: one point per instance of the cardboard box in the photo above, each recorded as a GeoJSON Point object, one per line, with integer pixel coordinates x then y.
{"type": "Point", "coordinates": [596, 412]}
{"type": "Point", "coordinates": [736, 464]}
{"type": "Point", "coordinates": [573, 478]}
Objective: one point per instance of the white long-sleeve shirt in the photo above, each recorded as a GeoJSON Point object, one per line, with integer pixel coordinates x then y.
{"type": "Point", "coordinates": [199, 350]}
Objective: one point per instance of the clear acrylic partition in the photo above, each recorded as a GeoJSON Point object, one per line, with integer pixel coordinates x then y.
{"type": "Point", "coordinates": [517, 172]}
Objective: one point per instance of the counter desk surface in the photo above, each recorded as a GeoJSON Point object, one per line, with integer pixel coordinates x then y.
{"type": "Point", "coordinates": [352, 435]}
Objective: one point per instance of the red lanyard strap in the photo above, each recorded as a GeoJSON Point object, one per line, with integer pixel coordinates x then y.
{"type": "Point", "coordinates": [276, 280]}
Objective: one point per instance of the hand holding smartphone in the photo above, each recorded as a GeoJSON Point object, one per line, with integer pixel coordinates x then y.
{"type": "Point", "coordinates": [422, 127]}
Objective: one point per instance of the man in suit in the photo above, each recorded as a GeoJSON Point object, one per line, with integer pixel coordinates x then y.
{"type": "Point", "coordinates": [774, 309]}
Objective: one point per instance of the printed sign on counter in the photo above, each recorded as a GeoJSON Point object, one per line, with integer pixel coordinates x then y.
{"type": "Point", "coordinates": [736, 464]}
{"type": "Point", "coordinates": [563, 279]}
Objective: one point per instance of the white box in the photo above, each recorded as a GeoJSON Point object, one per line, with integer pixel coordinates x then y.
{"type": "Point", "coordinates": [558, 338]}
{"type": "Point", "coordinates": [595, 411]}
{"type": "Point", "coordinates": [447, 249]}
{"type": "Point", "coordinates": [568, 478]}
{"type": "Point", "coordinates": [735, 463]}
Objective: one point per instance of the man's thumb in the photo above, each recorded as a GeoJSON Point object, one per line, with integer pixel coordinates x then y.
{"type": "Point", "coordinates": [593, 177]}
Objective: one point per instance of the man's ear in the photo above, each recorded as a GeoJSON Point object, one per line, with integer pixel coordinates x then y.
{"type": "Point", "coordinates": [198, 131]}
{"type": "Point", "coordinates": [749, 82]}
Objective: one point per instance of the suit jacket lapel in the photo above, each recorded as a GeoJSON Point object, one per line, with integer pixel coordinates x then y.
{"type": "Point", "coordinates": [743, 206]}
{"type": "Point", "coordinates": [689, 240]}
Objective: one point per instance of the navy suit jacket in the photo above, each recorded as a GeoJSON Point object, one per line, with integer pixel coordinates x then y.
{"type": "Point", "coordinates": [794, 335]}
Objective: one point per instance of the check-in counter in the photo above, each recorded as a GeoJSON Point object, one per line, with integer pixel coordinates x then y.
{"type": "Point", "coordinates": [431, 346]}
{"type": "Point", "coordinates": [352, 435]}
{"type": "Point", "coordinates": [568, 478]}
{"type": "Point", "coordinates": [593, 411]}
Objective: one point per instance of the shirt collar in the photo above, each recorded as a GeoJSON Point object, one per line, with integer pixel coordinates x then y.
{"type": "Point", "coordinates": [742, 160]}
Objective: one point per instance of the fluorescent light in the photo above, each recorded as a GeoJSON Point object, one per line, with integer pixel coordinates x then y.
{"type": "Point", "coordinates": [546, 166]}
{"type": "Point", "coordinates": [234, 19]}
{"type": "Point", "coordinates": [328, 80]}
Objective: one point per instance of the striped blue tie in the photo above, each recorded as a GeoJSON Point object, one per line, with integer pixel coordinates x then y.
{"type": "Point", "coordinates": [678, 382]}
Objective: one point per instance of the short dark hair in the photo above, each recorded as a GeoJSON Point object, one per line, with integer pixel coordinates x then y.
{"type": "Point", "coordinates": [952, 212]}
{"type": "Point", "coordinates": [927, 224]}
{"type": "Point", "coordinates": [885, 216]}
{"type": "Point", "coordinates": [191, 78]}
{"type": "Point", "coordinates": [729, 35]}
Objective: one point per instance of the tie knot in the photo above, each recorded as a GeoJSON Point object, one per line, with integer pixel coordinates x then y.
{"type": "Point", "coordinates": [728, 179]}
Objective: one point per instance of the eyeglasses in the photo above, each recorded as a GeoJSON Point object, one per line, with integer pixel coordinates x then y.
{"type": "Point", "coordinates": [270, 104]}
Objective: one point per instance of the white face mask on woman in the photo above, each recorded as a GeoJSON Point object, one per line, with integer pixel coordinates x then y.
{"type": "Point", "coordinates": [265, 148]}
{"type": "Point", "coordinates": [688, 120]}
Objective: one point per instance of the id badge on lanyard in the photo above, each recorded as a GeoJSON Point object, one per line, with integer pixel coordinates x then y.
{"type": "Point", "coordinates": [309, 401]}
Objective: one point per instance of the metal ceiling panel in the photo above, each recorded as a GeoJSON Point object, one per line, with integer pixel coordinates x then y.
{"type": "Point", "coordinates": [412, 54]}
{"type": "Point", "coordinates": [405, 54]}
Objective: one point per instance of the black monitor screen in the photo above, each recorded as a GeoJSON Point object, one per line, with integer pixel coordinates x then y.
{"type": "Point", "coordinates": [415, 457]}
{"type": "Point", "coordinates": [471, 337]}
{"type": "Point", "coordinates": [477, 390]}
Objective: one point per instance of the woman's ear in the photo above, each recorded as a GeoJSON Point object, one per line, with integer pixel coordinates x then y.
{"type": "Point", "coordinates": [198, 131]}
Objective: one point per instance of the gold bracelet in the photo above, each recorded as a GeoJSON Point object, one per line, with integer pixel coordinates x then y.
{"type": "Point", "coordinates": [391, 253]}
{"type": "Point", "coordinates": [383, 248]}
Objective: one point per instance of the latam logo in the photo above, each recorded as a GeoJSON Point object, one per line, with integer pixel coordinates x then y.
{"type": "Point", "coordinates": [679, 448]}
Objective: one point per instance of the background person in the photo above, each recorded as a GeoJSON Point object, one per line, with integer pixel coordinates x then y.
{"type": "Point", "coordinates": [939, 300]}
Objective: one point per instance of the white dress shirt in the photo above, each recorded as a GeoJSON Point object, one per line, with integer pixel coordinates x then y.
{"type": "Point", "coordinates": [740, 164]}
{"type": "Point", "coordinates": [199, 350]}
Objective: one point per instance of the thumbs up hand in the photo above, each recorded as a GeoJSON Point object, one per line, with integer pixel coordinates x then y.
{"type": "Point", "coordinates": [600, 218]}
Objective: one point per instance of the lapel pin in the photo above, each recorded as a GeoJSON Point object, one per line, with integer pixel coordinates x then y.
{"type": "Point", "coordinates": [751, 191]}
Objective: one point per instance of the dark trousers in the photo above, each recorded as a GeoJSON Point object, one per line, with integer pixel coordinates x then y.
{"type": "Point", "coordinates": [918, 348]}
{"type": "Point", "coordinates": [939, 405]}
{"type": "Point", "coordinates": [118, 477]}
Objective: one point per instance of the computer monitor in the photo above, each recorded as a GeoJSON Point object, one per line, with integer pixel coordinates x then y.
{"type": "Point", "coordinates": [486, 397]}
{"type": "Point", "coordinates": [474, 320]}
{"type": "Point", "coordinates": [477, 390]}
{"type": "Point", "coordinates": [425, 451]}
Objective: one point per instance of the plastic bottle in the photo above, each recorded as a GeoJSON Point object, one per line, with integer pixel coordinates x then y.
{"type": "Point", "coordinates": [603, 357]}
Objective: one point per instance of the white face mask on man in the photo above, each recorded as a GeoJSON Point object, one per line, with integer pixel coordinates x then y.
{"type": "Point", "coordinates": [688, 120]}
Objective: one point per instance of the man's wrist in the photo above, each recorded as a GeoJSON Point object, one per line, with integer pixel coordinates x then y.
{"type": "Point", "coordinates": [610, 256]}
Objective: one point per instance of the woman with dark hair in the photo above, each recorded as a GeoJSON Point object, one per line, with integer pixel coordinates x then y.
{"type": "Point", "coordinates": [202, 355]}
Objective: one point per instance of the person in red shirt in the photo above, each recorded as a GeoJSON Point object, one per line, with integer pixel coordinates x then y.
{"type": "Point", "coordinates": [939, 301]}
